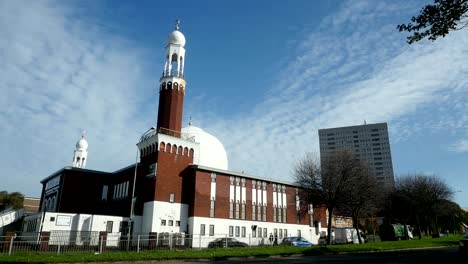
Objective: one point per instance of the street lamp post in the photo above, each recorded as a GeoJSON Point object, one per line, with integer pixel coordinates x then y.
{"type": "Point", "coordinates": [132, 202]}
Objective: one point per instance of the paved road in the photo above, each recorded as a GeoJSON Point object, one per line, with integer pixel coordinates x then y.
{"type": "Point", "coordinates": [445, 255]}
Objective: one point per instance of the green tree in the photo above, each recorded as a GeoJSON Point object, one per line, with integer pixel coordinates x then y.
{"type": "Point", "coordinates": [437, 20]}
{"type": "Point", "coordinates": [14, 199]}
{"type": "Point", "coordinates": [417, 200]}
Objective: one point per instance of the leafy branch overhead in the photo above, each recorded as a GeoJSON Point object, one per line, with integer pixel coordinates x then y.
{"type": "Point", "coordinates": [437, 20]}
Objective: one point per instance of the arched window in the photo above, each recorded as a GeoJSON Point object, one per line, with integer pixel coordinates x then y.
{"type": "Point", "coordinates": [174, 57]}
{"type": "Point", "coordinates": [174, 149]}
{"type": "Point", "coordinates": [162, 146]}
{"type": "Point", "coordinates": [168, 147]}
{"type": "Point", "coordinates": [176, 86]}
{"type": "Point", "coordinates": [179, 150]}
{"type": "Point", "coordinates": [169, 85]}
{"type": "Point", "coordinates": [191, 152]}
{"type": "Point", "coordinates": [163, 85]}
{"type": "Point", "coordinates": [185, 151]}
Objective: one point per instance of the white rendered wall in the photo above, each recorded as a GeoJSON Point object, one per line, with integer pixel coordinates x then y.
{"type": "Point", "coordinates": [222, 230]}
{"type": "Point", "coordinates": [76, 222]}
{"type": "Point", "coordinates": [155, 211]}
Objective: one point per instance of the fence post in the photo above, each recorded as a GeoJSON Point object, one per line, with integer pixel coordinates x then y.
{"type": "Point", "coordinates": [58, 248]}
{"type": "Point", "coordinates": [199, 241]}
{"type": "Point", "coordinates": [170, 241]}
{"type": "Point", "coordinates": [10, 249]}
{"type": "Point", "coordinates": [138, 243]}
{"type": "Point", "coordinates": [226, 243]}
{"type": "Point", "coordinates": [250, 241]}
{"type": "Point", "coordinates": [44, 238]}
{"type": "Point", "coordinates": [100, 244]}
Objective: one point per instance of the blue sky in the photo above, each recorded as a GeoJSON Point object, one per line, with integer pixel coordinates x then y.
{"type": "Point", "coordinates": [262, 76]}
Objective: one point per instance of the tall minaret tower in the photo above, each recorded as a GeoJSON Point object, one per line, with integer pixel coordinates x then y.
{"type": "Point", "coordinates": [172, 85]}
{"type": "Point", "coordinates": [81, 152]}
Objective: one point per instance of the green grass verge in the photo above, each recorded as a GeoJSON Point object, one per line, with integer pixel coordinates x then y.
{"type": "Point", "coordinates": [223, 253]}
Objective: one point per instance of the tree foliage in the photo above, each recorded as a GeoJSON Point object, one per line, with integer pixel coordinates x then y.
{"type": "Point", "coordinates": [437, 20]}
{"type": "Point", "coordinates": [14, 200]}
{"type": "Point", "coordinates": [418, 200]}
{"type": "Point", "coordinates": [340, 181]}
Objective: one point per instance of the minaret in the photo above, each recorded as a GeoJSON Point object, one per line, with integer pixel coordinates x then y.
{"type": "Point", "coordinates": [81, 152]}
{"type": "Point", "coordinates": [172, 85]}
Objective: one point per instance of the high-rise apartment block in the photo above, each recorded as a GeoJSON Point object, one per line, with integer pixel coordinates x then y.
{"type": "Point", "coordinates": [369, 142]}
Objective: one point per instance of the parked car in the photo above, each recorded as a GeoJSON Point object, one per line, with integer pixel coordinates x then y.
{"type": "Point", "coordinates": [229, 242]}
{"type": "Point", "coordinates": [296, 241]}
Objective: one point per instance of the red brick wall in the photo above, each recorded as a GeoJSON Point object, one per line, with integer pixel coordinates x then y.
{"type": "Point", "coordinates": [291, 205]}
{"type": "Point", "coordinates": [170, 174]}
{"type": "Point", "coordinates": [170, 109]}
{"type": "Point", "coordinates": [202, 194]}
{"type": "Point", "coordinates": [222, 196]}
{"type": "Point", "coordinates": [248, 200]}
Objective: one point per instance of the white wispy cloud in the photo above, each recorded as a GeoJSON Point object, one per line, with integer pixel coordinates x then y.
{"type": "Point", "coordinates": [461, 146]}
{"type": "Point", "coordinates": [58, 75]}
{"type": "Point", "coordinates": [359, 68]}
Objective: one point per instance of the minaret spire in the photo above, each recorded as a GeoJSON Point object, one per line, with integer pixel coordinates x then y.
{"type": "Point", "coordinates": [80, 155]}
{"type": "Point", "coordinates": [172, 85]}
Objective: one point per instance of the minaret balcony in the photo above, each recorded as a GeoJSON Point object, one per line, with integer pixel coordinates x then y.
{"type": "Point", "coordinates": [173, 73]}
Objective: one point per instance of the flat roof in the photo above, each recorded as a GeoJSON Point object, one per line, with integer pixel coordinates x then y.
{"type": "Point", "coordinates": [355, 126]}
{"type": "Point", "coordinates": [241, 174]}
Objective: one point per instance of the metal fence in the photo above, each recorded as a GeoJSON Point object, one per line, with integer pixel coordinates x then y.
{"type": "Point", "coordinates": [59, 242]}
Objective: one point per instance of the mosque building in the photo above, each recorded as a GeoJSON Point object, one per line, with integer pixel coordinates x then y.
{"type": "Point", "coordinates": [181, 183]}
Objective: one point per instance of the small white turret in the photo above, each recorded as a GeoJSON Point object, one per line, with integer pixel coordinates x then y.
{"type": "Point", "coordinates": [175, 53]}
{"type": "Point", "coordinates": [81, 152]}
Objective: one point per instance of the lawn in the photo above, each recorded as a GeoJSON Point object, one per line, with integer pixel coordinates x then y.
{"type": "Point", "coordinates": [223, 253]}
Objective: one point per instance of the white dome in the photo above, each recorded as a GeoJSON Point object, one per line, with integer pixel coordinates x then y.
{"type": "Point", "coordinates": [212, 152]}
{"type": "Point", "coordinates": [82, 144]}
{"type": "Point", "coordinates": [176, 38]}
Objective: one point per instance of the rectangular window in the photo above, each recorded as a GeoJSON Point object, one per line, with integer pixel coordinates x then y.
{"type": "Point", "coordinates": [265, 232]}
{"type": "Point", "coordinates": [171, 223]}
{"type": "Point", "coordinates": [264, 213]}
{"type": "Point", "coordinates": [280, 235]}
{"type": "Point", "coordinates": [109, 226]}
{"type": "Point", "coordinates": [274, 214]}
{"type": "Point", "coordinates": [171, 197]}
{"type": "Point", "coordinates": [231, 209]}
{"type": "Point", "coordinates": [231, 231]}
{"type": "Point", "coordinates": [237, 210]}
{"type": "Point", "coordinates": [254, 233]}
{"type": "Point", "coordinates": [163, 222]}
{"type": "Point", "coordinates": [299, 233]}
{"type": "Point", "coordinates": [280, 215]}
{"type": "Point", "coordinates": [212, 208]}
{"type": "Point", "coordinates": [104, 192]}
{"type": "Point", "coordinates": [177, 223]}
{"type": "Point", "coordinates": [213, 177]}
{"type": "Point", "coordinates": [211, 230]}
{"type": "Point", "coordinates": [237, 231]}
{"type": "Point", "coordinates": [202, 229]}
{"type": "Point", "coordinates": [243, 211]}
{"type": "Point", "coordinates": [259, 231]}
{"type": "Point", "coordinates": [285, 233]}
{"type": "Point", "coordinates": [284, 215]}
{"type": "Point", "coordinates": [253, 212]}
{"type": "Point", "coordinates": [259, 213]}
{"type": "Point", "coordinates": [298, 217]}
{"type": "Point", "coordinates": [243, 232]}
